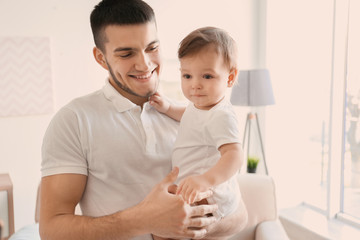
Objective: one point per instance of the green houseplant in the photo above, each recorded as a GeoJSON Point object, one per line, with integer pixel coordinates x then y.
{"type": "Point", "coordinates": [252, 163]}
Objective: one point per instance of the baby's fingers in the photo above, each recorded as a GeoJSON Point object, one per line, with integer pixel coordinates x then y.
{"type": "Point", "coordinates": [179, 188]}
{"type": "Point", "coordinates": [202, 195]}
{"type": "Point", "coordinates": [192, 197]}
{"type": "Point", "coordinates": [188, 194]}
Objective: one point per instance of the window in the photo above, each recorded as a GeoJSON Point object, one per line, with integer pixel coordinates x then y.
{"type": "Point", "coordinates": [351, 157]}
{"type": "Point", "coordinates": [299, 53]}
{"type": "Point", "coordinates": [313, 131]}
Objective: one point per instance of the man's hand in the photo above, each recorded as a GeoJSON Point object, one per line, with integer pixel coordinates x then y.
{"type": "Point", "coordinates": [167, 215]}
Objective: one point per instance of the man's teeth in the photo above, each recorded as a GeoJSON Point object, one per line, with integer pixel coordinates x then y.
{"type": "Point", "coordinates": [144, 76]}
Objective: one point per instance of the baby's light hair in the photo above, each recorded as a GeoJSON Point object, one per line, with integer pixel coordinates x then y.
{"type": "Point", "coordinates": [195, 41]}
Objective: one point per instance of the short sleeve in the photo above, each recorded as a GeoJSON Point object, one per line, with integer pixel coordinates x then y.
{"type": "Point", "coordinates": [62, 149]}
{"type": "Point", "coordinates": [222, 128]}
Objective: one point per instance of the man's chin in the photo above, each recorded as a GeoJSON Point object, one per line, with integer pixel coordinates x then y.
{"type": "Point", "coordinates": [145, 89]}
{"type": "Point", "coordinates": [145, 94]}
{"type": "Point", "coordinates": [149, 94]}
{"type": "Point", "coordinates": [151, 91]}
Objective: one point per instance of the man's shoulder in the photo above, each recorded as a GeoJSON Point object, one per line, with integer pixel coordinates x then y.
{"type": "Point", "coordinates": [88, 98]}
{"type": "Point", "coordinates": [79, 106]}
{"type": "Point", "coordinates": [87, 101]}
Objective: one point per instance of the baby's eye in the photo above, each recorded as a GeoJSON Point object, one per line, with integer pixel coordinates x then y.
{"type": "Point", "coordinates": [186, 76]}
{"type": "Point", "coordinates": [207, 76]}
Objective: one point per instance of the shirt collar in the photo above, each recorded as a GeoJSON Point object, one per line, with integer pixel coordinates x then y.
{"type": "Point", "coordinates": [219, 104]}
{"type": "Point", "coordinates": [121, 103]}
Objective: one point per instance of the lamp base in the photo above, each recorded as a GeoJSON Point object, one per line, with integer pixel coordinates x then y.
{"type": "Point", "coordinates": [251, 116]}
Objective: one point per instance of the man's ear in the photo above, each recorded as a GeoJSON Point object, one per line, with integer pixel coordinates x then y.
{"type": "Point", "coordinates": [232, 77]}
{"type": "Point", "coordinates": [100, 57]}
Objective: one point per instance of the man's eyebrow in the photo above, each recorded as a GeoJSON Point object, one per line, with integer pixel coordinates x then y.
{"type": "Point", "coordinates": [122, 49]}
{"type": "Point", "coordinates": [154, 42]}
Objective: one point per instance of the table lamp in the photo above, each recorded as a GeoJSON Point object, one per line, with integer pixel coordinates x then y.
{"type": "Point", "coordinates": [253, 88]}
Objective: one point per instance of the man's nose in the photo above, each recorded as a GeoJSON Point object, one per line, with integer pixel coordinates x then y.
{"type": "Point", "coordinates": [143, 62]}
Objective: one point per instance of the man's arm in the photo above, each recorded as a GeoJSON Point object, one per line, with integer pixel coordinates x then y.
{"type": "Point", "coordinates": [59, 197]}
{"type": "Point", "coordinates": [160, 213]}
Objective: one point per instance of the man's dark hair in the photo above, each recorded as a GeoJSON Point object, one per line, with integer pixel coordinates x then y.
{"type": "Point", "coordinates": [117, 12]}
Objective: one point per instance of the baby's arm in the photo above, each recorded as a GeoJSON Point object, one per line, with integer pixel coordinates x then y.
{"type": "Point", "coordinates": [163, 106]}
{"type": "Point", "coordinates": [229, 163]}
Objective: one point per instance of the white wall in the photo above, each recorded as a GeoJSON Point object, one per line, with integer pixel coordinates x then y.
{"type": "Point", "coordinates": [76, 73]}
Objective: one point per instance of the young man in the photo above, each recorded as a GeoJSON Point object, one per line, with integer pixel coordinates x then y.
{"type": "Point", "coordinates": [111, 152]}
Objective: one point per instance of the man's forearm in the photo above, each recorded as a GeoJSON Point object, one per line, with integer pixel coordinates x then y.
{"type": "Point", "coordinates": [59, 196]}
{"type": "Point", "coordinates": [121, 225]}
{"type": "Point", "coordinates": [161, 213]}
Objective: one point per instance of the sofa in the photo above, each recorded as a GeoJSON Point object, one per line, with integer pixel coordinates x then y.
{"type": "Point", "coordinates": [258, 192]}
{"type": "Point", "coordinates": [259, 195]}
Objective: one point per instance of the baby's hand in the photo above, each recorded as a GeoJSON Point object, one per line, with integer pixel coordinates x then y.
{"type": "Point", "coordinates": [159, 103]}
{"type": "Point", "coordinates": [192, 186]}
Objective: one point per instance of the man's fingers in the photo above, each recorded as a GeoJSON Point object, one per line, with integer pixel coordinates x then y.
{"type": "Point", "coordinates": [172, 188]}
{"type": "Point", "coordinates": [171, 177]}
{"type": "Point", "coordinates": [197, 227]}
{"type": "Point", "coordinates": [203, 195]}
{"type": "Point", "coordinates": [201, 222]}
{"type": "Point", "coordinates": [202, 210]}
{"type": "Point", "coordinates": [195, 233]}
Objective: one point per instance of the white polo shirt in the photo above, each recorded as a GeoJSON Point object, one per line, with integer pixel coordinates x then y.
{"type": "Point", "coordinates": [122, 149]}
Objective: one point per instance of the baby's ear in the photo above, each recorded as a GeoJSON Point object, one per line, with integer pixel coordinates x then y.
{"type": "Point", "coordinates": [232, 77]}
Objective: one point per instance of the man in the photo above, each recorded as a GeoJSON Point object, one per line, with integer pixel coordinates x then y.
{"type": "Point", "coordinates": [110, 151]}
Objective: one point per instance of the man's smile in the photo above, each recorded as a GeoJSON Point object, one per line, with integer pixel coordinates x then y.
{"type": "Point", "coordinates": [143, 77]}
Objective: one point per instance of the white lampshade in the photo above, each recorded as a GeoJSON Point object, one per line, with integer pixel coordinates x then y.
{"type": "Point", "coordinates": [253, 89]}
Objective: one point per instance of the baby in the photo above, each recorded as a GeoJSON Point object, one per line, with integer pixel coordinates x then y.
{"type": "Point", "coordinates": [207, 149]}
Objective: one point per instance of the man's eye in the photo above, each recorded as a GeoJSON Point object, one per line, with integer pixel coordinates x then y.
{"type": "Point", "coordinates": [207, 76]}
{"type": "Point", "coordinates": [125, 55]}
{"type": "Point", "coordinates": [153, 48]}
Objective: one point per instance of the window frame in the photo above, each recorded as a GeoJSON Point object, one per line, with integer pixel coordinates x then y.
{"type": "Point", "coordinates": [337, 119]}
